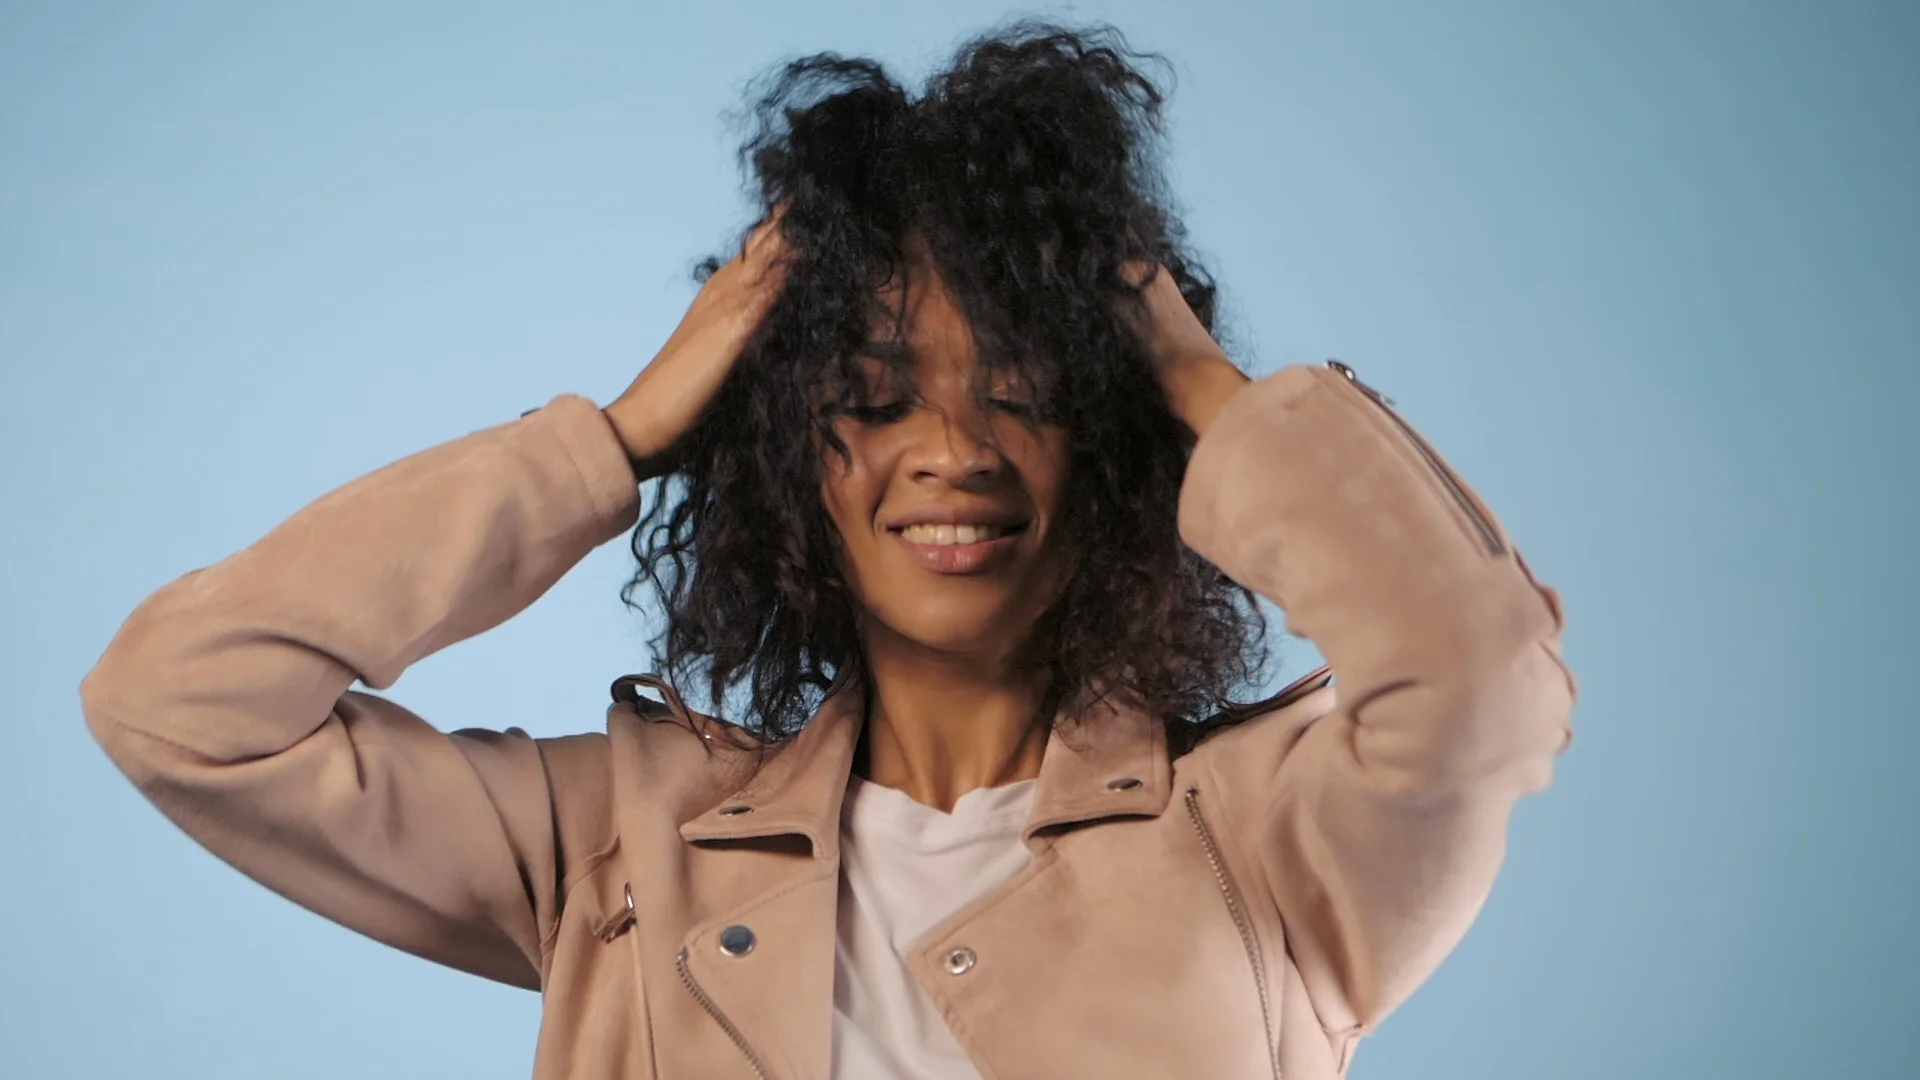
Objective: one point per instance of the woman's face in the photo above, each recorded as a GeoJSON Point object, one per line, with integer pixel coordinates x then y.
{"type": "Point", "coordinates": [949, 501]}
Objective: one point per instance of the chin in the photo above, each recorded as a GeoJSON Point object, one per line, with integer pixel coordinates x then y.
{"type": "Point", "coordinates": [961, 626]}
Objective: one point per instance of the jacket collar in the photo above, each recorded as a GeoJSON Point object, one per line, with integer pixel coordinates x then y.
{"type": "Point", "coordinates": [797, 790]}
{"type": "Point", "coordinates": [1111, 762]}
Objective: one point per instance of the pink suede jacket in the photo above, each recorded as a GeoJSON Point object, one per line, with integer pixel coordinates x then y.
{"type": "Point", "coordinates": [1249, 908]}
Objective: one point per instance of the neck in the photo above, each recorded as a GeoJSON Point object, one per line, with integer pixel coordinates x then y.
{"type": "Point", "coordinates": [940, 725]}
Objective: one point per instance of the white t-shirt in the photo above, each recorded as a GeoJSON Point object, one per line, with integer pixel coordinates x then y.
{"type": "Point", "coordinates": [904, 868]}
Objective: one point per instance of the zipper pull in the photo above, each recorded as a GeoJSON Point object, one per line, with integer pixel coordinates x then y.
{"type": "Point", "coordinates": [1353, 377]}
{"type": "Point", "coordinates": [621, 919]}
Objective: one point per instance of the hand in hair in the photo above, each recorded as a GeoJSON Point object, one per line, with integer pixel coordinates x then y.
{"type": "Point", "coordinates": [674, 390]}
{"type": "Point", "coordinates": [1194, 370]}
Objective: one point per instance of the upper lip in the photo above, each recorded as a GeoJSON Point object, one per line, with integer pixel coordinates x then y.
{"type": "Point", "coordinates": [959, 515]}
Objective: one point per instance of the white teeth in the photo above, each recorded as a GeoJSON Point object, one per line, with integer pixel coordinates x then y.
{"type": "Point", "coordinates": [952, 535]}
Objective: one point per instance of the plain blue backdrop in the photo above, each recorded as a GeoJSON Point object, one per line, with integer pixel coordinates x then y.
{"type": "Point", "coordinates": [1649, 272]}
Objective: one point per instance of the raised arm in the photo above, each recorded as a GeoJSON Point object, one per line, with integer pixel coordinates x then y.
{"type": "Point", "coordinates": [1388, 819]}
{"type": "Point", "coordinates": [225, 697]}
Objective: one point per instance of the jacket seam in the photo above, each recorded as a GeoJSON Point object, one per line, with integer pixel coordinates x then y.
{"type": "Point", "coordinates": [1408, 443]}
{"type": "Point", "coordinates": [1260, 857]}
{"type": "Point", "coordinates": [107, 716]}
{"type": "Point", "coordinates": [570, 884]}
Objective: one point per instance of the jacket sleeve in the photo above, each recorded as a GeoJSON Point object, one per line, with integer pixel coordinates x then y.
{"type": "Point", "coordinates": [225, 697]}
{"type": "Point", "coordinates": [1387, 820]}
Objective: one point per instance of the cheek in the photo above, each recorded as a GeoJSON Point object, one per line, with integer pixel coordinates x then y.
{"type": "Point", "coordinates": [848, 491]}
{"type": "Point", "coordinates": [1041, 458]}
{"type": "Point", "coordinates": [833, 491]}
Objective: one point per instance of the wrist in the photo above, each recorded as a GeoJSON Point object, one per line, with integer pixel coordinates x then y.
{"type": "Point", "coordinates": [635, 432]}
{"type": "Point", "coordinates": [1199, 385]}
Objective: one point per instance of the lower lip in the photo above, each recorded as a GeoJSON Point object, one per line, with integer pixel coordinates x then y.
{"type": "Point", "coordinates": [959, 558]}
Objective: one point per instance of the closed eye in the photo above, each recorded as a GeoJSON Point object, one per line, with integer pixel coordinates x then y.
{"type": "Point", "coordinates": [891, 412]}
{"type": "Point", "coordinates": [1028, 411]}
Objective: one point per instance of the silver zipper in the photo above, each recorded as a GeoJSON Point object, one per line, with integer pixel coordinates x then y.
{"type": "Point", "coordinates": [1489, 535]}
{"type": "Point", "coordinates": [1240, 921]}
{"type": "Point", "coordinates": [726, 1025]}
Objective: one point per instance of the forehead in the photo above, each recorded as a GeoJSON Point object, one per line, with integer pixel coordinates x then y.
{"type": "Point", "coordinates": [916, 302]}
{"type": "Point", "coordinates": [918, 330]}
{"type": "Point", "coordinates": [918, 327]}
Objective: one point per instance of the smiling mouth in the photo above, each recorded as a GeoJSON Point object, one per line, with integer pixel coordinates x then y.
{"type": "Point", "coordinates": [959, 549]}
{"type": "Point", "coordinates": [955, 535]}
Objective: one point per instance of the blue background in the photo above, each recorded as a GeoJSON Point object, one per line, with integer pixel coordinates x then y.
{"type": "Point", "coordinates": [1648, 272]}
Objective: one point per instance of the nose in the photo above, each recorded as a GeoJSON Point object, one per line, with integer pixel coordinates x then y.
{"type": "Point", "coordinates": [953, 444]}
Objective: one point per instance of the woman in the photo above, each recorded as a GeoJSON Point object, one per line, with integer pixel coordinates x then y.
{"type": "Point", "coordinates": [958, 505]}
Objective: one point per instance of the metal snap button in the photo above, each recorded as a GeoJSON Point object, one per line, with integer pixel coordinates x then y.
{"type": "Point", "coordinates": [1125, 783]}
{"type": "Point", "coordinates": [960, 961]}
{"type": "Point", "coordinates": [736, 810]}
{"type": "Point", "coordinates": [736, 941]}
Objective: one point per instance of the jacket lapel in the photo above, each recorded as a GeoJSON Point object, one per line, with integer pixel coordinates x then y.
{"type": "Point", "coordinates": [764, 967]}
{"type": "Point", "coordinates": [797, 791]}
{"type": "Point", "coordinates": [1112, 762]}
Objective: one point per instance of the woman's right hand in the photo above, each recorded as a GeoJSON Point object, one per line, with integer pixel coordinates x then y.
{"type": "Point", "coordinates": [673, 391]}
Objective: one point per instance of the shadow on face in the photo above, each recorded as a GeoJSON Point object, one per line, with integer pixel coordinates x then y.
{"type": "Point", "coordinates": [949, 498]}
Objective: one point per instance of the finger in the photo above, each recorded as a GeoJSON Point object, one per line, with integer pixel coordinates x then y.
{"type": "Point", "coordinates": [767, 237]}
{"type": "Point", "coordinates": [1135, 271]}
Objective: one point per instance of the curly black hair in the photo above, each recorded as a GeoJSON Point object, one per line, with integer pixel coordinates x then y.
{"type": "Point", "coordinates": [1029, 169]}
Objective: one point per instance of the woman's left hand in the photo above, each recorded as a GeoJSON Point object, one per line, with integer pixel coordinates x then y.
{"type": "Point", "coordinates": [1195, 372]}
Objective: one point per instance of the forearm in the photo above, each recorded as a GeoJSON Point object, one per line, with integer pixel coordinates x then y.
{"type": "Point", "coordinates": [1199, 386]}
{"type": "Point", "coordinates": [367, 580]}
{"type": "Point", "coordinates": [225, 696]}
{"type": "Point", "coordinates": [1387, 819]}
{"type": "Point", "coordinates": [1307, 490]}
